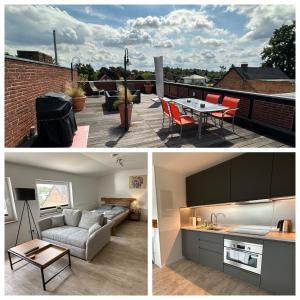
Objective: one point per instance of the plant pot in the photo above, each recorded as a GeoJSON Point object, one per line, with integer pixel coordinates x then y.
{"type": "Point", "coordinates": [121, 109]}
{"type": "Point", "coordinates": [78, 103]}
{"type": "Point", "coordinates": [148, 88]}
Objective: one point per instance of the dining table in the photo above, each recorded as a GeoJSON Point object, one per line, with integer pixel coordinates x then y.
{"type": "Point", "coordinates": [201, 108]}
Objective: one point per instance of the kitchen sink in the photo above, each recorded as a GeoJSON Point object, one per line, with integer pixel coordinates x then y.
{"type": "Point", "coordinates": [209, 227]}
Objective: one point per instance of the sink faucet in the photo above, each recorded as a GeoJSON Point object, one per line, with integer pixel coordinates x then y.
{"type": "Point", "coordinates": [211, 218]}
{"type": "Point", "coordinates": [216, 218]}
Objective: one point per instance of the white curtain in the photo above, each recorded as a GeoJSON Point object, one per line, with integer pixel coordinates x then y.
{"type": "Point", "coordinates": [159, 75]}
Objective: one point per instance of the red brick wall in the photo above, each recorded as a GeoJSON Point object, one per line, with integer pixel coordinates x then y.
{"type": "Point", "coordinates": [233, 81]}
{"type": "Point", "coordinates": [273, 113]}
{"type": "Point", "coordinates": [24, 82]}
{"type": "Point", "coordinates": [272, 87]}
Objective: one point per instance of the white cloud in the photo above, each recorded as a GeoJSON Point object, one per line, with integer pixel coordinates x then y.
{"type": "Point", "coordinates": [34, 25]}
{"type": "Point", "coordinates": [264, 19]}
{"type": "Point", "coordinates": [91, 12]}
{"type": "Point", "coordinates": [128, 37]}
{"type": "Point", "coordinates": [208, 41]}
{"type": "Point", "coordinates": [163, 44]}
{"type": "Point", "coordinates": [182, 18]}
{"type": "Point", "coordinates": [185, 37]}
{"type": "Point", "coordinates": [208, 55]}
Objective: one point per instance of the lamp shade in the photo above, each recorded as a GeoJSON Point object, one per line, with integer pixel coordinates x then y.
{"type": "Point", "coordinates": [23, 194]}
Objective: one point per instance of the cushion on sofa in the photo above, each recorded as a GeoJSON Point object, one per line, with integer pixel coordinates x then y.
{"type": "Point", "coordinates": [71, 235]}
{"type": "Point", "coordinates": [89, 218]}
{"type": "Point", "coordinates": [57, 221]}
{"type": "Point", "coordinates": [93, 229]}
{"type": "Point", "coordinates": [71, 216]}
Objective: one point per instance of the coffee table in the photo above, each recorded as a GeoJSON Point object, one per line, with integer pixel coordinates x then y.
{"type": "Point", "coordinates": [43, 255]}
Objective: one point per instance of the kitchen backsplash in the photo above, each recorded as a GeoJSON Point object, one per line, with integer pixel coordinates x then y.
{"type": "Point", "coordinates": [263, 214]}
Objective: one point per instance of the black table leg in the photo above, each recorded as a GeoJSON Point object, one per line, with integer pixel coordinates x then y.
{"type": "Point", "coordinates": [9, 257]}
{"type": "Point", "coordinates": [69, 255]}
{"type": "Point", "coordinates": [43, 279]}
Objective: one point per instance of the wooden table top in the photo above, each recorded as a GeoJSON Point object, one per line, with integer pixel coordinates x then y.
{"type": "Point", "coordinates": [272, 235]}
{"type": "Point", "coordinates": [45, 255]}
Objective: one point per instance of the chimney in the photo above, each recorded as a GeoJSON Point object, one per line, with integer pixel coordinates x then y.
{"type": "Point", "coordinates": [244, 65]}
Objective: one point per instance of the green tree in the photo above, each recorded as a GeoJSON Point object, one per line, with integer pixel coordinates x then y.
{"type": "Point", "coordinates": [86, 70]}
{"type": "Point", "coordinates": [280, 51]}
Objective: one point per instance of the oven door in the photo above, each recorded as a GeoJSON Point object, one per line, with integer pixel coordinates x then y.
{"type": "Point", "coordinates": [243, 259]}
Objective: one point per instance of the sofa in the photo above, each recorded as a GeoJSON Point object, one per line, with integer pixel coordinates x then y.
{"type": "Point", "coordinates": [112, 96]}
{"type": "Point", "coordinates": [85, 233]}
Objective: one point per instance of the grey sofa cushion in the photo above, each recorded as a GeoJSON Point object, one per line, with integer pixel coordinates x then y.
{"type": "Point", "coordinates": [93, 228]}
{"type": "Point", "coordinates": [72, 216]}
{"type": "Point", "coordinates": [89, 218]}
{"type": "Point", "coordinates": [57, 221]}
{"type": "Point", "coordinates": [71, 235]}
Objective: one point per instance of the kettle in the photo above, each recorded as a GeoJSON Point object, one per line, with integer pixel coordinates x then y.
{"type": "Point", "coordinates": [284, 225]}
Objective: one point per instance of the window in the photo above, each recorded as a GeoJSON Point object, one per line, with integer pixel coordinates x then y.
{"type": "Point", "coordinates": [52, 194]}
{"type": "Point", "coordinates": [9, 203]}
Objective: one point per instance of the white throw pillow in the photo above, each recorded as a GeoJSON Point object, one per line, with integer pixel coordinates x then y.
{"type": "Point", "coordinates": [89, 218]}
{"type": "Point", "coordinates": [94, 228]}
{"type": "Point", "coordinates": [72, 216]}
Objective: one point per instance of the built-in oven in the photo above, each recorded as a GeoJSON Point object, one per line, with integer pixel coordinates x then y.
{"type": "Point", "coordinates": [247, 256]}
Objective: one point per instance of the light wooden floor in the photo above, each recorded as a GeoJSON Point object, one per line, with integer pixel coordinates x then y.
{"type": "Point", "coordinates": [188, 278]}
{"type": "Point", "coordinates": [119, 269]}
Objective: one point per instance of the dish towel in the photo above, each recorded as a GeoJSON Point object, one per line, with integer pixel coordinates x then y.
{"type": "Point", "coordinates": [234, 254]}
{"type": "Point", "coordinates": [244, 257]}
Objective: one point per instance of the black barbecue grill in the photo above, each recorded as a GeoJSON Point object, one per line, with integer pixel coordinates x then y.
{"type": "Point", "coordinates": [56, 122]}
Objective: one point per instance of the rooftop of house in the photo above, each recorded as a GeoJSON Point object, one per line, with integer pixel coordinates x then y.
{"type": "Point", "coordinates": [260, 73]}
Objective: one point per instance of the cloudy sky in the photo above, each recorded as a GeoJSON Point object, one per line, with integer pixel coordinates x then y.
{"type": "Point", "coordinates": [191, 36]}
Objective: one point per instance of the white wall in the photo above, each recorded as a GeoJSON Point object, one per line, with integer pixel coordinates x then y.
{"type": "Point", "coordinates": [170, 196]}
{"type": "Point", "coordinates": [263, 214]}
{"type": "Point", "coordinates": [117, 185]}
{"type": "Point", "coordinates": [85, 190]}
{"type": "Point", "coordinates": [156, 256]}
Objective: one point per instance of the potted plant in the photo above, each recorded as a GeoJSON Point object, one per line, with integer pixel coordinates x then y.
{"type": "Point", "coordinates": [120, 105]}
{"type": "Point", "coordinates": [78, 96]}
{"type": "Point", "coordinates": [148, 87]}
{"type": "Point", "coordinates": [59, 208]}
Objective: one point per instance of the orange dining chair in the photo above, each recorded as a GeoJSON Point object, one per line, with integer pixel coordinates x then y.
{"type": "Point", "coordinates": [166, 111]}
{"type": "Point", "coordinates": [232, 107]}
{"type": "Point", "coordinates": [179, 119]}
{"type": "Point", "coordinates": [212, 98]}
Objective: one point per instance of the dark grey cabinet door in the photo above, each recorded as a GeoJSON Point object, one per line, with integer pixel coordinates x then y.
{"type": "Point", "coordinates": [210, 186]}
{"type": "Point", "coordinates": [190, 244]}
{"type": "Point", "coordinates": [283, 175]}
{"type": "Point", "coordinates": [278, 268]}
{"type": "Point", "coordinates": [211, 259]}
{"type": "Point", "coordinates": [193, 197]}
{"type": "Point", "coordinates": [251, 176]}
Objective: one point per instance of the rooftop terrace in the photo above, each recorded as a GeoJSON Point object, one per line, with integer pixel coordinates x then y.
{"type": "Point", "coordinates": [263, 120]}
{"type": "Point", "coordinates": [147, 131]}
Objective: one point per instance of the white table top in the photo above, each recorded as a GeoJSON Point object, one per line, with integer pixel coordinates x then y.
{"type": "Point", "coordinates": [195, 104]}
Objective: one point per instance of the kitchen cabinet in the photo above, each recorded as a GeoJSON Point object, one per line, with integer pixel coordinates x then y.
{"type": "Point", "coordinates": [278, 268]}
{"type": "Point", "coordinates": [211, 250]}
{"type": "Point", "coordinates": [251, 176]}
{"type": "Point", "coordinates": [210, 186]}
{"type": "Point", "coordinates": [190, 247]}
{"type": "Point", "coordinates": [283, 175]}
{"type": "Point", "coordinates": [193, 190]}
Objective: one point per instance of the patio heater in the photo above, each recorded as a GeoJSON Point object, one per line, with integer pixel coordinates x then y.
{"type": "Point", "coordinates": [126, 63]}
{"type": "Point", "coordinates": [75, 61]}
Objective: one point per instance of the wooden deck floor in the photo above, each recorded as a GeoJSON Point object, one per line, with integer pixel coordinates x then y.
{"type": "Point", "coordinates": [147, 132]}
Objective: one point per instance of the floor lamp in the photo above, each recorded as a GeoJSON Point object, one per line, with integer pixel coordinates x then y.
{"type": "Point", "coordinates": [26, 195]}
